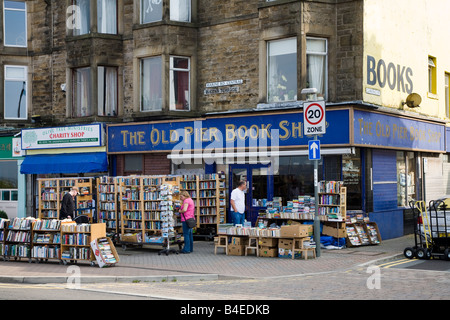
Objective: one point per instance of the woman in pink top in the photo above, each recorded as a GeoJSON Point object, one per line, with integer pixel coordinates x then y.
{"type": "Point", "coordinates": [187, 211]}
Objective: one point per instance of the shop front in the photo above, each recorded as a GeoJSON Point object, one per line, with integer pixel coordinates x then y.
{"type": "Point", "coordinates": [377, 155]}
{"type": "Point", "coordinates": [12, 183]}
{"type": "Point", "coordinates": [62, 152]}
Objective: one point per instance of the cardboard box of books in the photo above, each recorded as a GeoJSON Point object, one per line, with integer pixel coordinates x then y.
{"type": "Point", "coordinates": [241, 241]}
{"type": "Point", "coordinates": [236, 250]}
{"type": "Point", "coordinates": [294, 231]}
{"type": "Point", "coordinates": [271, 252]}
{"type": "Point", "coordinates": [268, 242]}
{"type": "Point", "coordinates": [334, 232]}
{"type": "Point", "coordinates": [104, 251]}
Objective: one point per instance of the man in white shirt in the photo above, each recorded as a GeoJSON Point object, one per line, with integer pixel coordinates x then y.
{"type": "Point", "coordinates": [237, 202]}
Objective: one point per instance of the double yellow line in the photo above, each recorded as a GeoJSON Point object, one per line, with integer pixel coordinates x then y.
{"type": "Point", "coordinates": [394, 263]}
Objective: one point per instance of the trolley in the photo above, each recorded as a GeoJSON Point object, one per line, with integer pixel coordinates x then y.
{"type": "Point", "coordinates": [431, 231]}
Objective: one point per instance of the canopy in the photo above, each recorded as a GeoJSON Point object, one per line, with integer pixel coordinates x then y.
{"type": "Point", "coordinates": [65, 163]}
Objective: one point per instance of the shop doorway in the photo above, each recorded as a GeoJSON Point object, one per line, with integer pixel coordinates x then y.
{"type": "Point", "coordinates": [259, 180]}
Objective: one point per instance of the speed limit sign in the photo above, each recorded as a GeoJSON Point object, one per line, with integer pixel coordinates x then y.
{"type": "Point", "coordinates": [314, 118]}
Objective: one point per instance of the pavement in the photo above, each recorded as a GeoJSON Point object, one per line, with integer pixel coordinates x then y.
{"type": "Point", "coordinates": [145, 265]}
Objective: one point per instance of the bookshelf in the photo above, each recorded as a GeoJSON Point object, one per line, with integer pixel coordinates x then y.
{"type": "Point", "coordinates": [332, 201]}
{"type": "Point", "coordinates": [51, 192]}
{"type": "Point", "coordinates": [76, 239]}
{"type": "Point", "coordinates": [209, 194]}
{"type": "Point", "coordinates": [107, 200]}
{"type": "Point", "coordinates": [18, 239]}
{"type": "Point", "coordinates": [46, 240]}
{"type": "Point", "coordinates": [146, 207]}
{"type": "Point", "coordinates": [49, 204]}
{"type": "Point", "coordinates": [85, 203]}
{"type": "Point", "coordinates": [3, 233]}
{"type": "Point", "coordinates": [363, 234]}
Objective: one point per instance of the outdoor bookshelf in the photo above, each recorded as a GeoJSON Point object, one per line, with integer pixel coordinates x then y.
{"type": "Point", "coordinates": [4, 223]}
{"type": "Point", "coordinates": [332, 201]}
{"type": "Point", "coordinates": [85, 203]}
{"type": "Point", "coordinates": [209, 194]}
{"type": "Point", "coordinates": [146, 208]}
{"type": "Point", "coordinates": [49, 204]}
{"type": "Point", "coordinates": [46, 240]}
{"type": "Point", "coordinates": [18, 239]}
{"type": "Point", "coordinates": [107, 204]}
{"type": "Point", "coordinates": [362, 234]}
{"type": "Point", "coordinates": [76, 239]}
{"type": "Point", "coordinates": [52, 191]}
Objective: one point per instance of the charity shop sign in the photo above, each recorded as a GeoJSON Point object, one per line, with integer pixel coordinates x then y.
{"type": "Point", "coordinates": [62, 137]}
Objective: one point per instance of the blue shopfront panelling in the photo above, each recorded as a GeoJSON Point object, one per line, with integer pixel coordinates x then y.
{"type": "Point", "coordinates": [387, 215]}
{"type": "Point", "coordinates": [390, 223]}
{"type": "Point", "coordinates": [384, 180]}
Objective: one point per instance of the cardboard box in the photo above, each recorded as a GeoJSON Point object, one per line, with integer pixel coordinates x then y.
{"type": "Point", "coordinates": [236, 250]}
{"type": "Point", "coordinates": [130, 238]}
{"type": "Point", "coordinates": [285, 243]}
{"type": "Point", "coordinates": [294, 231]}
{"type": "Point", "coordinates": [334, 232]}
{"type": "Point", "coordinates": [104, 257]}
{"type": "Point", "coordinates": [240, 241]}
{"type": "Point", "coordinates": [271, 252]}
{"type": "Point", "coordinates": [287, 253]}
{"type": "Point", "coordinates": [268, 242]}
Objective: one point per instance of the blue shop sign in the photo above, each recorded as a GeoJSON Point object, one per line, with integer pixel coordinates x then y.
{"type": "Point", "coordinates": [381, 130]}
{"type": "Point", "coordinates": [246, 131]}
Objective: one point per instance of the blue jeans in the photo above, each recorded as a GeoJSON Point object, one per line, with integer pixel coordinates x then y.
{"type": "Point", "coordinates": [239, 218]}
{"type": "Point", "coordinates": [188, 238]}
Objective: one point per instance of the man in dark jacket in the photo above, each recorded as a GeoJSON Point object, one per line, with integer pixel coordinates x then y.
{"type": "Point", "coordinates": [68, 204]}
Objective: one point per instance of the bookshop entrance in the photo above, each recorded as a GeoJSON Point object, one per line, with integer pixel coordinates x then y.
{"type": "Point", "coordinates": [259, 186]}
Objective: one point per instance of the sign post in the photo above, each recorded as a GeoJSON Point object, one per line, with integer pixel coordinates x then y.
{"type": "Point", "coordinates": [315, 124]}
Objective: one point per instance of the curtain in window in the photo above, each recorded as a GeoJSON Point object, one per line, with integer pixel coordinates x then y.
{"type": "Point", "coordinates": [179, 83]}
{"type": "Point", "coordinates": [180, 10]}
{"type": "Point", "coordinates": [85, 17]}
{"type": "Point", "coordinates": [82, 92]}
{"type": "Point", "coordinates": [107, 16]}
{"type": "Point", "coordinates": [316, 70]}
{"type": "Point", "coordinates": [151, 84]}
{"type": "Point", "coordinates": [316, 52]}
{"type": "Point", "coordinates": [107, 91]}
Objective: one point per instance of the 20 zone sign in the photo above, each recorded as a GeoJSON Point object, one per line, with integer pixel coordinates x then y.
{"type": "Point", "coordinates": [314, 118]}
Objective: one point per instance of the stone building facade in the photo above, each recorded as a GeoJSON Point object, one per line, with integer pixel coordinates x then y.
{"type": "Point", "coordinates": [223, 41]}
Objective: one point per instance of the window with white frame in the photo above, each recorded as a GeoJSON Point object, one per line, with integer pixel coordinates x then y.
{"type": "Point", "coordinates": [107, 16]}
{"type": "Point", "coordinates": [83, 16]}
{"type": "Point", "coordinates": [107, 91]}
{"type": "Point", "coordinates": [151, 10]}
{"type": "Point", "coordinates": [15, 92]}
{"type": "Point", "coordinates": [151, 84]}
{"type": "Point", "coordinates": [180, 10]}
{"type": "Point", "coordinates": [15, 23]}
{"type": "Point", "coordinates": [81, 92]}
{"type": "Point", "coordinates": [317, 65]}
{"type": "Point", "coordinates": [282, 70]}
{"type": "Point", "coordinates": [179, 83]}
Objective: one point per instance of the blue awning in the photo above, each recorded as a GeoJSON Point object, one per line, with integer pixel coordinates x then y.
{"type": "Point", "coordinates": [65, 163]}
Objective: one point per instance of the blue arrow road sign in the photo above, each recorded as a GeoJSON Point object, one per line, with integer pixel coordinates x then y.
{"type": "Point", "coordinates": [314, 149]}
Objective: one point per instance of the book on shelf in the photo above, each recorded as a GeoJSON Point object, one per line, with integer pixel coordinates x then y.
{"type": "Point", "coordinates": [73, 227]}
{"type": "Point", "coordinates": [330, 186]}
{"type": "Point", "coordinates": [22, 223]}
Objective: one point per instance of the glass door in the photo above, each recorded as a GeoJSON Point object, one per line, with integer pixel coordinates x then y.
{"type": "Point", "coordinates": [259, 187]}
